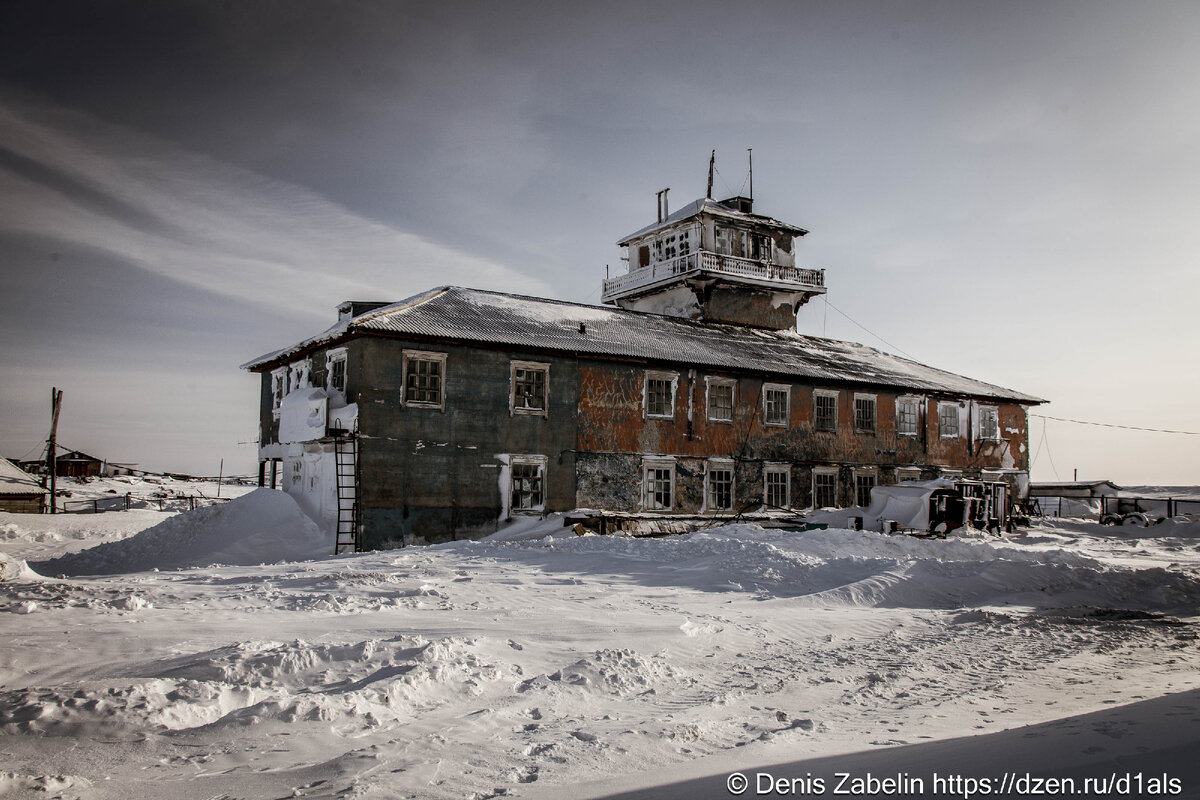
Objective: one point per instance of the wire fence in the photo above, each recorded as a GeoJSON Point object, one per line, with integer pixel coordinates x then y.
{"type": "Point", "coordinates": [125, 502]}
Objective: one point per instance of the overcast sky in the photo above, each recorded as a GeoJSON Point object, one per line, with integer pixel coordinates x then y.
{"type": "Point", "coordinates": [1003, 190]}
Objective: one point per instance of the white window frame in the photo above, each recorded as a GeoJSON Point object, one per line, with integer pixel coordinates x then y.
{"type": "Point", "coordinates": [778, 469]}
{"type": "Point", "coordinates": [865, 472]}
{"type": "Point", "coordinates": [874, 429]}
{"type": "Point", "coordinates": [832, 394]}
{"type": "Point", "coordinates": [299, 375]}
{"type": "Point", "coordinates": [712, 381]}
{"type": "Point", "coordinates": [825, 471]}
{"type": "Point", "coordinates": [915, 402]}
{"type": "Point", "coordinates": [653, 375]}
{"type": "Point", "coordinates": [994, 413]}
{"type": "Point", "coordinates": [331, 357]}
{"type": "Point", "coordinates": [423, 355]}
{"type": "Point", "coordinates": [528, 366]}
{"type": "Point", "coordinates": [527, 461]}
{"type": "Point", "coordinates": [787, 404]}
{"type": "Point", "coordinates": [657, 463]}
{"type": "Point", "coordinates": [719, 465]}
{"type": "Point", "coordinates": [279, 379]}
{"type": "Point", "coordinates": [954, 409]}
{"type": "Point", "coordinates": [908, 474]}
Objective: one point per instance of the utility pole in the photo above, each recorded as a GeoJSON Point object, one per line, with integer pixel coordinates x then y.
{"type": "Point", "coordinates": [712, 163]}
{"type": "Point", "coordinates": [220, 476]}
{"type": "Point", "coordinates": [52, 445]}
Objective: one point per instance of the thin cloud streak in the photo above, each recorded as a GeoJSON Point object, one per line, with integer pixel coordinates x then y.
{"type": "Point", "coordinates": [203, 223]}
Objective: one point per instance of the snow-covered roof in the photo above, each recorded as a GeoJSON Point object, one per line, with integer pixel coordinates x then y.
{"type": "Point", "coordinates": [475, 316]}
{"type": "Point", "coordinates": [14, 480]}
{"type": "Point", "coordinates": [707, 206]}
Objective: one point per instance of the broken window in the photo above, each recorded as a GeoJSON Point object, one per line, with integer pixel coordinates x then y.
{"type": "Point", "coordinates": [335, 370]}
{"type": "Point", "coordinates": [720, 399]}
{"type": "Point", "coordinates": [907, 416]}
{"type": "Point", "coordinates": [424, 379]}
{"type": "Point", "coordinates": [724, 240]}
{"type": "Point", "coordinates": [824, 488]}
{"type": "Point", "coordinates": [298, 375]}
{"type": "Point", "coordinates": [278, 388]}
{"type": "Point", "coordinates": [864, 413]}
{"type": "Point", "coordinates": [719, 480]}
{"type": "Point", "coordinates": [527, 483]}
{"type": "Point", "coordinates": [825, 411]}
{"type": "Point", "coordinates": [530, 385]}
{"type": "Point", "coordinates": [777, 485]}
{"type": "Point", "coordinates": [864, 482]}
{"type": "Point", "coordinates": [776, 403]}
{"type": "Point", "coordinates": [659, 394]}
{"type": "Point", "coordinates": [989, 423]}
{"type": "Point", "coordinates": [659, 485]}
{"type": "Point", "coordinates": [948, 420]}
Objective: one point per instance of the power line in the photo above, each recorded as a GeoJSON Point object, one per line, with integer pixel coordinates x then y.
{"type": "Point", "coordinates": [1113, 425]}
{"type": "Point", "coordinates": [876, 335]}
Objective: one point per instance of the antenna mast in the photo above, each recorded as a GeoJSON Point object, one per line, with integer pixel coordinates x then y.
{"type": "Point", "coordinates": [712, 163]}
{"type": "Point", "coordinates": [750, 150]}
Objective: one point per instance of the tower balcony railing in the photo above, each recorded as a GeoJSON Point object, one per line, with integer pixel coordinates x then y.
{"type": "Point", "coordinates": [752, 270]}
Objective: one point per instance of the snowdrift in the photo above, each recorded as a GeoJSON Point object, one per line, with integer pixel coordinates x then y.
{"type": "Point", "coordinates": [264, 526]}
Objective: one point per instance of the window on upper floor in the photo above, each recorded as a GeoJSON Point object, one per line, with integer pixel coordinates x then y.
{"type": "Point", "coordinates": [989, 423]}
{"type": "Point", "coordinates": [718, 480]}
{"type": "Point", "coordinates": [278, 387]}
{"type": "Point", "coordinates": [948, 420]}
{"type": "Point", "coordinates": [776, 404]}
{"type": "Point", "coordinates": [908, 416]}
{"type": "Point", "coordinates": [825, 405]}
{"type": "Point", "coordinates": [720, 398]}
{"type": "Point", "coordinates": [777, 485]}
{"type": "Point", "coordinates": [424, 379]}
{"type": "Point", "coordinates": [299, 373]}
{"type": "Point", "coordinates": [658, 394]}
{"type": "Point", "coordinates": [864, 413]}
{"type": "Point", "coordinates": [335, 370]}
{"type": "Point", "coordinates": [530, 381]}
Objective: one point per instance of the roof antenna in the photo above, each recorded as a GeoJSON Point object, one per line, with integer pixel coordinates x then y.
{"type": "Point", "coordinates": [712, 163]}
{"type": "Point", "coordinates": [750, 150]}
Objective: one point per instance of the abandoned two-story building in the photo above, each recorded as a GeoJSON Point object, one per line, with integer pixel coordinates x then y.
{"type": "Point", "coordinates": [445, 414]}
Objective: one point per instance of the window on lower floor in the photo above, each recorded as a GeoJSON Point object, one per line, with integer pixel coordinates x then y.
{"type": "Point", "coordinates": [907, 416]}
{"type": "Point", "coordinates": [824, 488]}
{"type": "Point", "coordinates": [825, 411]}
{"type": "Point", "coordinates": [659, 485]}
{"type": "Point", "coordinates": [719, 479]}
{"type": "Point", "coordinates": [527, 484]}
{"type": "Point", "coordinates": [777, 487]}
{"type": "Point", "coordinates": [776, 404]}
{"type": "Point", "coordinates": [530, 387]}
{"type": "Point", "coordinates": [864, 413]}
{"type": "Point", "coordinates": [864, 482]}
{"type": "Point", "coordinates": [424, 379]}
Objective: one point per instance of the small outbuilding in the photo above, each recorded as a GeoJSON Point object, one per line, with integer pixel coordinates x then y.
{"type": "Point", "coordinates": [20, 492]}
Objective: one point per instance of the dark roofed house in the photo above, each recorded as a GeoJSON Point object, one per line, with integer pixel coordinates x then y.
{"type": "Point", "coordinates": [20, 492]}
{"type": "Point", "coordinates": [445, 414]}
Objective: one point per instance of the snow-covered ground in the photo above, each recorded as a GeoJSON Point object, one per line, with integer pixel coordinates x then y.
{"type": "Point", "coordinates": [561, 666]}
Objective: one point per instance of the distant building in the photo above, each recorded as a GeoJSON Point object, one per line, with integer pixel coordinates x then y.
{"type": "Point", "coordinates": [20, 492]}
{"type": "Point", "coordinates": [447, 413]}
{"type": "Point", "coordinates": [76, 464]}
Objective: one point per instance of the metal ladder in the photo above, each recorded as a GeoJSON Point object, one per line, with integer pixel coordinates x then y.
{"type": "Point", "coordinates": [345, 456]}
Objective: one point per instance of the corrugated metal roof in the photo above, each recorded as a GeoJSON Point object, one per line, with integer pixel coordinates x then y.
{"type": "Point", "coordinates": [472, 315]}
{"type": "Point", "coordinates": [14, 480]}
